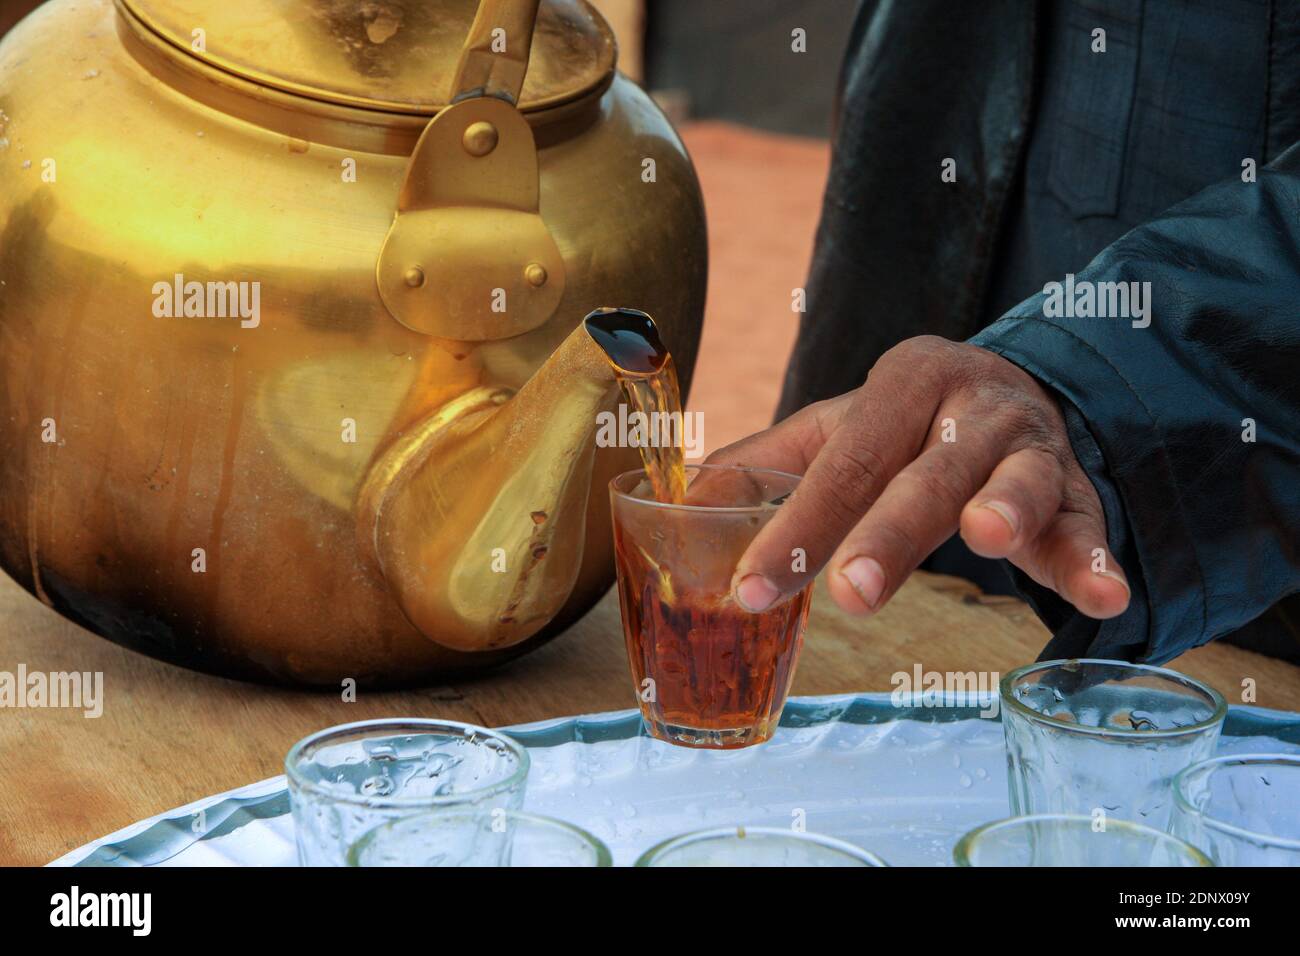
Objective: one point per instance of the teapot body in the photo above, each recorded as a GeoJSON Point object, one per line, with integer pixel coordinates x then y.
{"type": "Point", "coordinates": [198, 373]}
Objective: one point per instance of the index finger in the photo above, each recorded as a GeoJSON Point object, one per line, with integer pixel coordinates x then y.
{"type": "Point", "coordinates": [791, 444]}
{"type": "Point", "coordinates": [882, 431]}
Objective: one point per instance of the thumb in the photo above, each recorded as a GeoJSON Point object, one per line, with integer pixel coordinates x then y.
{"type": "Point", "coordinates": [1071, 558]}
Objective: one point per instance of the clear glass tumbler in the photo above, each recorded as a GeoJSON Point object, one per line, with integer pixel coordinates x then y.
{"type": "Point", "coordinates": [1095, 737]}
{"type": "Point", "coordinates": [707, 672]}
{"type": "Point", "coordinates": [1062, 840]}
{"type": "Point", "coordinates": [479, 838]}
{"type": "Point", "coordinates": [1242, 810]}
{"type": "Point", "coordinates": [756, 846]}
{"type": "Point", "coordinates": [345, 781]}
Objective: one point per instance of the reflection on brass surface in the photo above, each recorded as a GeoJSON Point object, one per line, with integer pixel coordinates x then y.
{"type": "Point", "coordinates": [325, 492]}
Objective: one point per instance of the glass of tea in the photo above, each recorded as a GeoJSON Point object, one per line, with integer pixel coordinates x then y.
{"type": "Point", "coordinates": [1068, 840]}
{"type": "Point", "coordinates": [756, 846]}
{"type": "Point", "coordinates": [1242, 809]}
{"type": "Point", "coordinates": [1104, 739]}
{"type": "Point", "coordinates": [348, 780]}
{"type": "Point", "coordinates": [707, 672]}
{"type": "Point", "coordinates": [491, 838]}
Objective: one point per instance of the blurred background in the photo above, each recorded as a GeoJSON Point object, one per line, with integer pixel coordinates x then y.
{"type": "Point", "coordinates": [755, 115]}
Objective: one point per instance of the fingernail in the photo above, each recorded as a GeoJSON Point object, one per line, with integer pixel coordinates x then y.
{"type": "Point", "coordinates": [867, 578]}
{"type": "Point", "coordinates": [1005, 512]}
{"type": "Point", "coordinates": [756, 593]}
{"type": "Point", "coordinates": [1115, 577]}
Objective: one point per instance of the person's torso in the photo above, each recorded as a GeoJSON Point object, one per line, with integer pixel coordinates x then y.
{"type": "Point", "coordinates": [1139, 104]}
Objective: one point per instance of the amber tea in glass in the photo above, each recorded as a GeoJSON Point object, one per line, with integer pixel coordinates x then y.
{"type": "Point", "coordinates": [707, 672]}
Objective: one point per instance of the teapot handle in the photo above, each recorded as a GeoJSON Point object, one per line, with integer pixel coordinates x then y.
{"type": "Point", "coordinates": [495, 56]}
{"type": "Point", "coordinates": [468, 230]}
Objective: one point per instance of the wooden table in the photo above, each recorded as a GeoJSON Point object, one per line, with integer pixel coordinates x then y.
{"type": "Point", "coordinates": [168, 736]}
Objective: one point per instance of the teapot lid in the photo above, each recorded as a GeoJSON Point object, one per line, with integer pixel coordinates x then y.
{"type": "Point", "coordinates": [394, 55]}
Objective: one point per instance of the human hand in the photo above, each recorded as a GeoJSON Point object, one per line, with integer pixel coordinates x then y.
{"type": "Point", "coordinates": [942, 437]}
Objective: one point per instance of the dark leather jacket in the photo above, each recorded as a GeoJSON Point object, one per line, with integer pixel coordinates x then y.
{"type": "Point", "coordinates": [1205, 521]}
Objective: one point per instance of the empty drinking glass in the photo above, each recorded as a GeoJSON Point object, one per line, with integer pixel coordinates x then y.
{"type": "Point", "coordinates": [347, 780]}
{"type": "Point", "coordinates": [1243, 810]}
{"type": "Point", "coordinates": [1096, 737]}
{"type": "Point", "coordinates": [756, 846]}
{"type": "Point", "coordinates": [1064, 840]}
{"type": "Point", "coordinates": [479, 838]}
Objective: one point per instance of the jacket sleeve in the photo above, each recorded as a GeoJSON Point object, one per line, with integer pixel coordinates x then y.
{"type": "Point", "coordinates": [1188, 426]}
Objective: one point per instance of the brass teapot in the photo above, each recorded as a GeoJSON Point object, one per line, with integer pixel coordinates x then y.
{"type": "Point", "coordinates": [293, 383]}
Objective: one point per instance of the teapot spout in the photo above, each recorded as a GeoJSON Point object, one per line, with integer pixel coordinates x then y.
{"type": "Point", "coordinates": [476, 518]}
